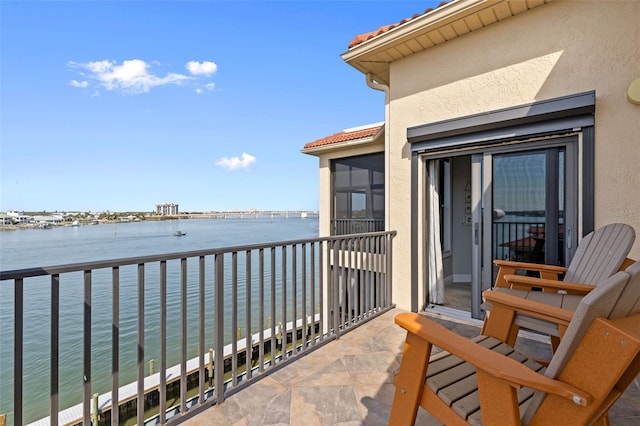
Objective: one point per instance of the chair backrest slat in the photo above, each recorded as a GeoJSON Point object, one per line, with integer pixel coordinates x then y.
{"type": "Point", "coordinates": [629, 301]}
{"type": "Point", "coordinates": [600, 254]}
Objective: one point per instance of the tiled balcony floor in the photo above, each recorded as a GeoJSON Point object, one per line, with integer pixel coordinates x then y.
{"type": "Point", "coordinates": [350, 382]}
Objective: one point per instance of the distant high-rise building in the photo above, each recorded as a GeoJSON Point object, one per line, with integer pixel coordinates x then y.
{"type": "Point", "coordinates": [167, 209]}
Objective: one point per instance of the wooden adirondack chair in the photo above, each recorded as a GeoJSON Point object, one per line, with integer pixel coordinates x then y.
{"type": "Point", "coordinates": [599, 255]}
{"type": "Point", "coordinates": [485, 381]}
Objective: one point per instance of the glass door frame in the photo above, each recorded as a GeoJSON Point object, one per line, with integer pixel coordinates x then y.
{"type": "Point", "coordinates": [482, 202]}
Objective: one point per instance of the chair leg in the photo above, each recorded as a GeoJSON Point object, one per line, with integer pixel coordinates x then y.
{"type": "Point", "coordinates": [410, 380]}
{"type": "Point", "coordinates": [500, 325]}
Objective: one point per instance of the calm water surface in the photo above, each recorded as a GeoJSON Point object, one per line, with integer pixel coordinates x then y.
{"type": "Point", "coordinates": [64, 245]}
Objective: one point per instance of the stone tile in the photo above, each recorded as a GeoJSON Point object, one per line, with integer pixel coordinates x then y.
{"type": "Point", "coordinates": [334, 374]}
{"type": "Point", "coordinates": [374, 403]}
{"type": "Point", "coordinates": [628, 406]}
{"type": "Point", "coordinates": [373, 378]}
{"type": "Point", "coordinates": [299, 369]}
{"type": "Point", "coordinates": [241, 406]}
{"type": "Point", "coordinates": [375, 406]}
{"type": "Point", "coordinates": [625, 421]}
{"type": "Point", "coordinates": [350, 382]}
{"type": "Point", "coordinates": [324, 405]}
{"type": "Point", "coordinates": [279, 410]}
{"type": "Point", "coordinates": [390, 338]}
{"type": "Point", "coordinates": [369, 362]}
{"type": "Point", "coordinates": [259, 394]}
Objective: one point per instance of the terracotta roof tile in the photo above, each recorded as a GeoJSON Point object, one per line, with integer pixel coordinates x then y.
{"type": "Point", "coordinates": [345, 136]}
{"type": "Point", "coordinates": [367, 36]}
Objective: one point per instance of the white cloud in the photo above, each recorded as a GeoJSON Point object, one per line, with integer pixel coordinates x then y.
{"type": "Point", "coordinates": [234, 163]}
{"type": "Point", "coordinates": [81, 84]}
{"type": "Point", "coordinates": [205, 68]}
{"type": "Point", "coordinates": [132, 76]}
{"type": "Point", "coordinates": [135, 76]}
{"type": "Point", "coordinates": [209, 87]}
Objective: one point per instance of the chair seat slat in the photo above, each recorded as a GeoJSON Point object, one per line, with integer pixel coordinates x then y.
{"type": "Point", "coordinates": [457, 385]}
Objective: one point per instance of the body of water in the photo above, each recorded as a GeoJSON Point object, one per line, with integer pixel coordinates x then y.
{"type": "Point", "coordinates": [63, 245]}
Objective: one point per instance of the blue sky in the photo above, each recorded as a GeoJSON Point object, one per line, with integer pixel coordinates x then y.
{"type": "Point", "coordinates": [119, 106]}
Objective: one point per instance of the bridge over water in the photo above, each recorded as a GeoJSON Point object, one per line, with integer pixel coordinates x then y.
{"type": "Point", "coordinates": [250, 214]}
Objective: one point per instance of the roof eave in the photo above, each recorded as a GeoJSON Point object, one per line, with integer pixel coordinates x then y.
{"type": "Point", "coordinates": [338, 146]}
{"type": "Point", "coordinates": [430, 21]}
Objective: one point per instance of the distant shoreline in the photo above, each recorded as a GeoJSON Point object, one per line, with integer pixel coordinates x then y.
{"type": "Point", "coordinates": [216, 215]}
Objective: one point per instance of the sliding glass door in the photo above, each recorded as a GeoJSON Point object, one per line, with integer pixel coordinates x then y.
{"type": "Point", "coordinates": [524, 208]}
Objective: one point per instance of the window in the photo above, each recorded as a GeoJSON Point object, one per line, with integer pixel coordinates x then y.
{"type": "Point", "coordinates": [358, 194]}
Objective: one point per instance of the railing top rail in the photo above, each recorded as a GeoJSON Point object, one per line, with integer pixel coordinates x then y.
{"type": "Point", "coordinates": [111, 263]}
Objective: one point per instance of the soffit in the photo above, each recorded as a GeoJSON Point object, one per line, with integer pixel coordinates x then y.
{"type": "Point", "coordinates": [372, 53]}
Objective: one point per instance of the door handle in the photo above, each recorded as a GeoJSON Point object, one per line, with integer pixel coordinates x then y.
{"type": "Point", "coordinates": [476, 236]}
{"type": "Point", "coordinates": [568, 237]}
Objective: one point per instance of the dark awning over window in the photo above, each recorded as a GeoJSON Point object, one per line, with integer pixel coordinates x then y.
{"type": "Point", "coordinates": [554, 116]}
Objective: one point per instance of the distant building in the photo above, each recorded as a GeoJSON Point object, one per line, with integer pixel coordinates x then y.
{"type": "Point", "coordinates": [167, 209]}
{"type": "Point", "coordinates": [48, 219]}
{"type": "Point", "coordinates": [19, 217]}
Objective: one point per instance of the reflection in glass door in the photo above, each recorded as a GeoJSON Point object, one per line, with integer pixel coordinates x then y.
{"type": "Point", "coordinates": [528, 206]}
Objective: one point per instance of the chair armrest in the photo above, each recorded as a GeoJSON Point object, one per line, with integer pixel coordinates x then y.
{"type": "Point", "coordinates": [527, 307]}
{"type": "Point", "coordinates": [521, 282]}
{"type": "Point", "coordinates": [530, 266]}
{"type": "Point", "coordinates": [492, 363]}
{"type": "Point", "coordinates": [508, 267]}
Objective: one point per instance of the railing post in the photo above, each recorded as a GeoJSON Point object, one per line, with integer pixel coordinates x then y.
{"type": "Point", "coordinates": [55, 349]}
{"type": "Point", "coordinates": [388, 275]}
{"type": "Point", "coordinates": [140, 385]}
{"type": "Point", "coordinates": [18, 344]}
{"type": "Point", "coordinates": [248, 357]}
{"type": "Point", "coordinates": [115, 345]}
{"type": "Point", "coordinates": [87, 348]}
{"type": "Point", "coordinates": [335, 288]}
{"type": "Point", "coordinates": [234, 318]}
{"type": "Point", "coordinates": [219, 327]}
{"type": "Point", "coordinates": [163, 341]}
{"type": "Point", "coordinates": [183, 335]}
{"type": "Point", "coordinates": [201, 328]}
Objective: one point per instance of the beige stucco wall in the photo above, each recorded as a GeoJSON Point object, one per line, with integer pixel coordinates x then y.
{"type": "Point", "coordinates": [562, 48]}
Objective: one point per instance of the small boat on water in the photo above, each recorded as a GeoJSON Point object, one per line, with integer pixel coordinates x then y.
{"type": "Point", "coordinates": [180, 234]}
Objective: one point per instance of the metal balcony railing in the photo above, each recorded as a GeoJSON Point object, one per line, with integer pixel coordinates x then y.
{"type": "Point", "coordinates": [524, 241]}
{"type": "Point", "coordinates": [356, 226]}
{"type": "Point", "coordinates": [221, 319]}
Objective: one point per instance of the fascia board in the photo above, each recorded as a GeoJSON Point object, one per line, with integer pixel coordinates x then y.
{"type": "Point", "coordinates": [431, 21]}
